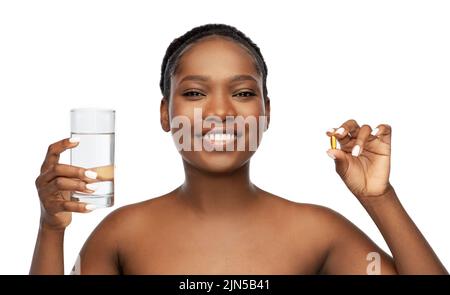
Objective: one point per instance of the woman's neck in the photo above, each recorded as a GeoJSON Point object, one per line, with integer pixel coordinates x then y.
{"type": "Point", "coordinates": [216, 193]}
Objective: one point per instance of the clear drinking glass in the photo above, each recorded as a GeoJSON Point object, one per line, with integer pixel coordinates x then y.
{"type": "Point", "coordinates": [96, 130]}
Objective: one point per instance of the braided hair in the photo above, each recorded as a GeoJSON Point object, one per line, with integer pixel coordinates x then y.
{"type": "Point", "coordinates": [176, 49]}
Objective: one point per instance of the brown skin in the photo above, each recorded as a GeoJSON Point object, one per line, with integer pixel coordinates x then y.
{"type": "Point", "coordinates": [218, 221]}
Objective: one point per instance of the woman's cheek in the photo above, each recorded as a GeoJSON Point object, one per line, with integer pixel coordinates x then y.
{"type": "Point", "coordinates": [254, 107]}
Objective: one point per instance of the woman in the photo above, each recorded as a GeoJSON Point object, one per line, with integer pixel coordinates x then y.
{"type": "Point", "coordinates": [218, 221]}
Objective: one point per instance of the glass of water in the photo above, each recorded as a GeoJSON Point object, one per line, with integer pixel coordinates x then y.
{"type": "Point", "coordinates": [96, 130]}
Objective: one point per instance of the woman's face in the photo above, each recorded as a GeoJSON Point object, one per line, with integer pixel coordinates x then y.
{"type": "Point", "coordinates": [216, 88]}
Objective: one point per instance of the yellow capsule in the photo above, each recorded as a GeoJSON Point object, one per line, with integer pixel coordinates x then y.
{"type": "Point", "coordinates": [333, 142]}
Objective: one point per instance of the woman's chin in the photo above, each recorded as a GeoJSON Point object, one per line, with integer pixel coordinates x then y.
{"type": "Point", "coordinates": [218, 162]}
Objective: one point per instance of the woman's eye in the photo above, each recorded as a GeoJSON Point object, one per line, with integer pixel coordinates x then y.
{"type": "Point", "coordinates": [193, 93]}
{"type": "Point", "coordinates": [245, 94]}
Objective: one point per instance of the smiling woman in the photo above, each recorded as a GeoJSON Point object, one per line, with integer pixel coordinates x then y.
{"type": "Point", "coordinates": [218, 221]}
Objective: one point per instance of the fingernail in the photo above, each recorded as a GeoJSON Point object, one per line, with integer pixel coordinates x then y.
{"type": "Point", "coordinates": [92, 186]}
{"type": "Point", "coordinates": [374, 131]}
{"type": "Point", "coordinates": [74, 140]}
{"type": "Point", "coordinates": [355, 151]}
{"type": "Point", "coordinates": [332, 130]}
{"type": "Point", "coordinates": [340, 131]}
{"type": "Point", "coordinates": [90, 207]}
{"type": "Point", "coordinates": [331, 155]}
{"type": "Point", "coordinates": [90, 174]}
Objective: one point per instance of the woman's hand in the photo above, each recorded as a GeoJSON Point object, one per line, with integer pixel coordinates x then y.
{"type": "Point", "coordinates": [56, 182]}
{"type": "Point", "coordinates": [363, 160]}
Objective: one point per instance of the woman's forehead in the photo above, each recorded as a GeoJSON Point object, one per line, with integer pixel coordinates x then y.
{"type": "Point", "coordinates": [216, 56]}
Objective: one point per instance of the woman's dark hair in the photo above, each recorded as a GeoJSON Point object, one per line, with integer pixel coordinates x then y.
{"type": "Point", "coordinates": [176, 48]}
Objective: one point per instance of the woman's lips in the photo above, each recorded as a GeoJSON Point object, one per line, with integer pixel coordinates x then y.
{"type": "Point", "coordinates": [219, 141]}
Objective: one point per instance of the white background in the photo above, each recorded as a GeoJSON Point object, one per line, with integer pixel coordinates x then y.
{"type": "Point", "coordinates": [375, 61]}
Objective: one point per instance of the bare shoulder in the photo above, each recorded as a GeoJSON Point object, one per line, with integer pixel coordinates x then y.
{"type": "Point", "coordinates": [319, 219]}
{"type": "Point", "coordinates": [316, 231]}
{"type": "Point", "coordinates": [129, 220]}
{"type": "Point", "coordinates": [344, 248]}
{"type": "Point", "coordinates": [117, 230]}
{"type": "Point", "coordinates": [139, 213]}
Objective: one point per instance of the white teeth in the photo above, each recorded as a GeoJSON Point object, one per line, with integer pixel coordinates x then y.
{"type": "Point", "coordinates": [219, 136]}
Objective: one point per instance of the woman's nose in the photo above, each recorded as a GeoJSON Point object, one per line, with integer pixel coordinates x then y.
{"type": "Point", "coordinates": [219, 105]}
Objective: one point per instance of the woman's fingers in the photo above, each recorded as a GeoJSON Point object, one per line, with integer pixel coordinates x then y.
{"type": "Point", "coordinates": [74, 206]}
{"type": "Point", "coordinates": [55, 149]}
{"type": "Point", "coordinates": [55, 183]}
{"type": "Point", "coordinates": [363, 135]}
{"type": "Point", "coordinates": [340, 160]}
{"type": "Point", "coordinates": [67, 184]}
{"type": "Point", "coordinates": [346, 132]}
{"type": "Point", "coordinates": [383, 132]}
{"type": "Point", "coordinates": [54, 207]}
{"type": "Point", "coordinates": [350, 127]}
{"type": "Point", "coordinates": [62, 170]}
{"type": "Point", "coordinates": [354, 138]}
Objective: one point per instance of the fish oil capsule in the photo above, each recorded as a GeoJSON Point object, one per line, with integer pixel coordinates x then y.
{"type": "Point", "coordinates": [333, 142]}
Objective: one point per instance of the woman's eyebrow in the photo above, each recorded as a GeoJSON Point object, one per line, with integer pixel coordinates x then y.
{"type": "Point", "coordinates": [238, 78]}
{"type": "Point", "coordinates": [200, 78]}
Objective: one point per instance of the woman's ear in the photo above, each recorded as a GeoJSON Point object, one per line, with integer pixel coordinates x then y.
{"type": "Point", "coordinates": [267, 111]}
{"type": "Point", "coordinates": [164, 114]}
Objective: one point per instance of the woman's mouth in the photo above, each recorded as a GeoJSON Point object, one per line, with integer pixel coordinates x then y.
{"type": "Point", "coordinates": [219, 139]}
